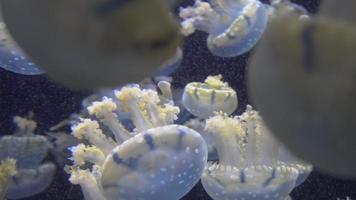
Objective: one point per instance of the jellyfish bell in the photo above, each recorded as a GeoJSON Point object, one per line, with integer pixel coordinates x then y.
{"type": "Point", "coordinates": [305, 91]}
{"type": "Point", "coordinates": [234, 27]}
{"type": "Point", "coordinates": [214, 95]}
{"type": "Point", "coordinates": [164, 162]}
{"type": "Point", "coordinates": [93, 44]}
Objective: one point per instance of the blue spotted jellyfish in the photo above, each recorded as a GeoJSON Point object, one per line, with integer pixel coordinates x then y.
{"type": "Point", "coordinates": [12, 58]}
{"type": "Point", "coordinates": [155, 160]}
{"type": "Point", "coordinates": [203, 100]}
{"type": "Point", "coordinates": [234, 27]}
{"type": "Point", "coordinates": [29, 150]}
{"type": "Point", "coordinates": [252, 164]}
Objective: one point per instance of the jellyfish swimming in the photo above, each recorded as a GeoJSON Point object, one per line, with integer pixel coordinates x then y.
{"type": "Point", "coordinates": [28, 150]}
{"type": "Point", "coordinates": [104, 44]}
{"type": "Point", "coordinates": [203, 99]}
{"type": "Point", "coordinates": [234, 27]}
{"type": "Point", "coordinates": [155, 160]}
{"type": "Point", "coordinates": [304, 89]}
{"type": "Point", "coordinates": [252, 164]}
{"type": "Point", "coordinates": [12, 58]}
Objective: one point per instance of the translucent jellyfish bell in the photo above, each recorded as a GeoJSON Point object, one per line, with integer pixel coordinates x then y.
{"type": "Point", "coordinates": [157, 160]}
{"type": "Point", "coordinates": [234, 27]}
{"type": "Point", "coordinates": [12, 58]}
{"type": "Point", "coordinates": [29, 151]}
{"type": "Point", "coordinates": [252, 164]}
{"type": "Point", "coordinates": [203, 99]}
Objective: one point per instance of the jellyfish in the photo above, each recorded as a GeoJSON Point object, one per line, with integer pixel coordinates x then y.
{"type": "Point", "coordinates": [7, 171]}
{"type": "Point", "coordinates": [155, 160]}
{"type": "Point", "coordinates": [252, 164]}
{"type": "Point", "coordinates": [203, 99]}
{"type": "Point", "coordinates": [12, 58]}
{"type": "Point", "coordinates": [29, 150]}
{"type": "Point", "coordinates": [95, 44]}
{"type": "Point", "coordinates": [234, 27]}
{"type": "Point", "coordinates": [305, 92]}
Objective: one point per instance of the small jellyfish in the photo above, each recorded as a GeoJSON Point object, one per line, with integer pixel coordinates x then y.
{"type": "Point", "coordinates": [252, 164]}
{"type": "Point", "coordinates": [95, 44]}
{"type": "Point", "coordinates": [12, 58]}
{"type": "Point", "coordinates": [234, 27]}
{"type": "Point", "coordinates": [305, 92]}
{"type": "Point", "coordinates": [156, 160]}
{"type": "Point", "coordinates": [203, 99]}
{"type": "Point", "coordinates": [29, 150]}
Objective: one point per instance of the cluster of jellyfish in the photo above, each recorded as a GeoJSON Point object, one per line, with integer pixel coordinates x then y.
{"type": "Point", "coordinates": [146, 155]}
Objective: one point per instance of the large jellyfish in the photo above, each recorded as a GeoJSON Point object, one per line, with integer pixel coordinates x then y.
{"type": "Point", "coordinates": [29, 150]}
{"type": "Point", "coordinates": [252, 164]}
{"type": "Point", "coordinates": [304, 88]}
{"type": "Point", "coordinates": [234, 27]}
{"type": "Point", "coordinates": [93, 44]}
{"type": "Point", "coordinates": [155, 160]}
{"type": "Point", "coordinates": [12, 58]}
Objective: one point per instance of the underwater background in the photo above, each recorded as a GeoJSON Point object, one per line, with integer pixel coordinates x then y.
{"type": "Point", "coordinates": [52, 103]}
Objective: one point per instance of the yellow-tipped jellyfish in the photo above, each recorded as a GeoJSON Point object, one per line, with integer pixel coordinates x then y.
{"type": "Point", "coordinates": [155, 160]}
{"type": "Point", "coordinates": [252, 164]}
{"type": "Point", "coordinates": [203, 99]}
{"type": "Point", "coordinates": [234, 27]}
{"type": "Point", "coordinates": [29, 150]}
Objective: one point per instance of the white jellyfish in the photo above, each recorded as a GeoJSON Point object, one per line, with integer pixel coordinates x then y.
{"type": "Point", "coordinates": [29, 150]}
{"type": "Point", "coordinates": [203, 99]}
{"type": "Point", "coordinates": [252, 164]}
{"type": "Point", "coordinates": [93, 44]}
{"type": "Point", "coordinates": [234, 27]}
{"type": "Point", "coordinates": [155, 160]}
